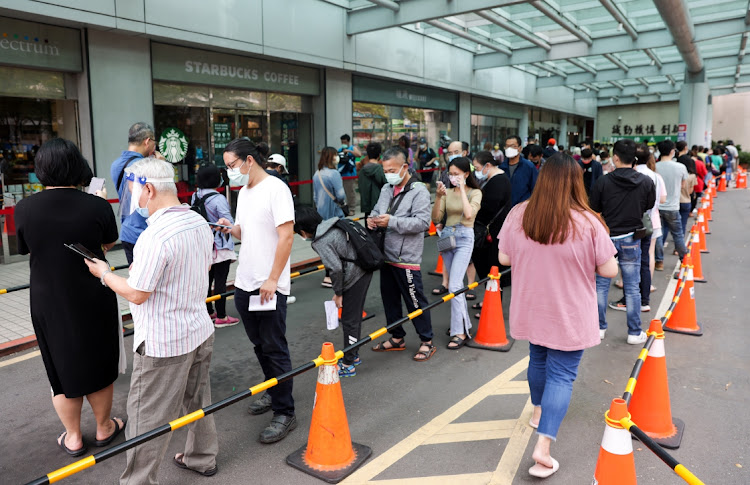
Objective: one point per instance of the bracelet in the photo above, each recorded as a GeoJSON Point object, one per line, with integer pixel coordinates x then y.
{"type": "Point", "coordinates": [101, 279]}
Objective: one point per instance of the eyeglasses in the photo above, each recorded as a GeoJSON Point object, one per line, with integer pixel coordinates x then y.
{"type": "Point", "coordinates": [231, 166]}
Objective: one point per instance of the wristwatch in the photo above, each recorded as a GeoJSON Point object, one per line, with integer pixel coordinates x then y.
{"type": "Point", "coordinates": [101, 278]}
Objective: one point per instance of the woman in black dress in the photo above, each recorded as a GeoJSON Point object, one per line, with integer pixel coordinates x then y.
{"type": "Point", "coordinates": [75, 317]}
{"type": "Point", "coordinates": [496, 203]}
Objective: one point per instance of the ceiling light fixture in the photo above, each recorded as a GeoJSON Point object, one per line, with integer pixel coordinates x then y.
{"type": "Point", "coordinates": [619, 27]}
{"type": "Point", "coordinates": [653, 62]}
{"type": "Point", "coordinates": [418, 26]}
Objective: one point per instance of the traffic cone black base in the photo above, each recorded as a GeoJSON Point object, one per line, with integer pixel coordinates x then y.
{"type": "Point", "coordinates": [695, 333]}
{"type": "Point", "coordinates": [297, 460]}
{"type": "Point", "coordinates": [499, 348]}
{"type": "Point", "coordinates": [672, 442]}
{"type": "Point", "coordinates": [368, 316]}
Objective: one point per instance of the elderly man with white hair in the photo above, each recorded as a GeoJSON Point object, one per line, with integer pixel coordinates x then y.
{"type": "Point", "coordinates": [173, 340]}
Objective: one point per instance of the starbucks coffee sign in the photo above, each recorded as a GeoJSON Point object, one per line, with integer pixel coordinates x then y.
{"type": "Point", "coordinates": [173, 145]}
{"type": "Point", "coordinates": [29, 44]}
{"type": "Point", "coordinates": [195, 66]}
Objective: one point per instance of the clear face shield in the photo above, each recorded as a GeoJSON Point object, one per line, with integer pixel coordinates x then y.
{"type": "Point", "coordinates": [136, 184]}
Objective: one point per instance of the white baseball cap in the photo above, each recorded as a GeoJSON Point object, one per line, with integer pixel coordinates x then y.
{"type": "Point", "coordinates": [279, 159]}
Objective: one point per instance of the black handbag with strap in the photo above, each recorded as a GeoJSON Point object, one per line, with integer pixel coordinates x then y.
{"type": "Point", "coordinates": [482, 237]}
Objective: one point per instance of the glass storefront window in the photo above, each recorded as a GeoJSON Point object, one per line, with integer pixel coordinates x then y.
{"type": "Point", "coordinates": [385, 124]}
{"type": "Point", "coordinates": [491, 129]}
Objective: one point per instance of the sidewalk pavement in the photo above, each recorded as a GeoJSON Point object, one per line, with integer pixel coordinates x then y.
{"type": "Point", "coordinates": [16, 330]}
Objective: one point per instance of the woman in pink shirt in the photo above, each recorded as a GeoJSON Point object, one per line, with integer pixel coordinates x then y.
{"type": "Point", "coordinates": [555, 245]}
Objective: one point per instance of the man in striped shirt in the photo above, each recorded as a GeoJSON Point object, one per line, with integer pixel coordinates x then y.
{"type": "Point", "coordinates": [173, 339]}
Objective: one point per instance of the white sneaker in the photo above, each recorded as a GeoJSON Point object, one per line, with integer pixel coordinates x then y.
{"type": "Point", "coordinates": [290, 299]}
{"type": "Point", "coordinates": [645, 308]}
{"type": "Point", "coordinates": [637, 339]}
{"type": "Point", "coordinates": [601, 333]}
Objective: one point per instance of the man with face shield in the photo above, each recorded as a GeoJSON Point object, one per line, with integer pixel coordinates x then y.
{"type": "Point", "coordinates": [173, 348]}
{"type": "Point", "coordinates": [401, 216]}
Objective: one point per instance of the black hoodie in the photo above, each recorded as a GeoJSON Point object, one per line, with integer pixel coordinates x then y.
{"type": "Point", "coordinates": [622, 197]}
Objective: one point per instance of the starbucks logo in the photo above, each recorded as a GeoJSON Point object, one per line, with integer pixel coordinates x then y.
{"type": "Point", "coordinates": [173, 145]}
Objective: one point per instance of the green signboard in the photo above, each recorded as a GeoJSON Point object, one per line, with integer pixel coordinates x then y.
{"type": "Point", "coordinates": [222, 136]}
{"type": "Point", "coordinates": [378, 91]}
{"type": "Point", "coordinates": [30, 44]}
{"type": "Point", "coordinates": [173, 145]}
{"type": "Point", "coordinates": [194, 66]}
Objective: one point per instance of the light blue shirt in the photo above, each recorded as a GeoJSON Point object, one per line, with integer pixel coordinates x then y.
{"type": "Point", "coordinates": [673, 174]}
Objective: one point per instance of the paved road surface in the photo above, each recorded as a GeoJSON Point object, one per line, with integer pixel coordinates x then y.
{"type": "Point", "coordinates": [463, 412]}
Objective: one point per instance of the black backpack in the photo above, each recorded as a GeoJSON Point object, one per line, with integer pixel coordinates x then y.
{"type": "Point", "coordinates": [369, 257]}
{"type": "Point", "coordinates": [199, 204]}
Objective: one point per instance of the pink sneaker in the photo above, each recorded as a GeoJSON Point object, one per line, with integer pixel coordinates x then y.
{"type": "Point", "coordinates": [226, 322]}
{"type": "Point", "coordinates": [212, 316]}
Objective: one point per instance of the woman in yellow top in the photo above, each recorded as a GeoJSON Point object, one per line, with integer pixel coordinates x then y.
{"type": "Point", "coordinates": [459, 203]}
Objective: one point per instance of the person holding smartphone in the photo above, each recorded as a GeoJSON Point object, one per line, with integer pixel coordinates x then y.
{"type": "Point", "coordinates": [75, 318]}
{"type": "Point", "coordinates": [459, 205]}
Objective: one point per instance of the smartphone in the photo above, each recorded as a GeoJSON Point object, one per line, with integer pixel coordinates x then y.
{"type": "Point", "coordinates": [213, 224]}
{"type": "Point", "coordinates": [96, 184]}
{"type": "Point", "coordinates": [81, 250]}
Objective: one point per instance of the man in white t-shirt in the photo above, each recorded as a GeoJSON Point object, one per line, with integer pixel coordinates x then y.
{"type": "Point", "coordinates": [675, 175]}
{"type": "Point", "coordinates": [264, 223]}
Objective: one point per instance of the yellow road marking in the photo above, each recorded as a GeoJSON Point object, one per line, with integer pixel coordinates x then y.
{"type": "Point", "coordinates": [16, 360]}
{"type": "Point", "coordinates": [513, 387]}
{"type": "Point", "coordinates": [426, 432]}
{"type": "Point", "coordinates": [515, 448]}
{"type": "Point", "coordinates": [473, 435]}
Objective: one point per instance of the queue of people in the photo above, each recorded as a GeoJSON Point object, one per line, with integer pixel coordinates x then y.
{"type": "Point", "coordinates": [549, 214]}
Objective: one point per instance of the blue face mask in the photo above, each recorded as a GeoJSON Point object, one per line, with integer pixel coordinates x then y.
{"type": "Point", "coordinates": [452, 157]}
{"type": "Point", "coordinates": [143, 211]}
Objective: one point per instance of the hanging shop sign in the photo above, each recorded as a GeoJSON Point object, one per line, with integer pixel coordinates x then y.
{"type": "Point", "coordinates": [30, 44]}
{"type": "Point", "coordinates": [491, 107]}
{"type": "Point", "coordinates": [369, 90]}
{"type": "Point", "coordinates": [173, 145]}
{"type": "Point", "coordinates": [195, 66]}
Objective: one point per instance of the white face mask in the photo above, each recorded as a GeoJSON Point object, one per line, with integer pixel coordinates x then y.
{"type": "Point", "coordinates": [394, 178]}
{"type": "Point", "coordinates": [456, 180]}
{"type": "Point", "coordinates": [452, 157]}
{"type": "Point", "coordinates": [237, 178]}
{"type": "Point", "coordinates": [422, 147]}
{"type": "Point", "coordinates": [479, 174]}
{"type": "Point", "coordinates": [511, 152]}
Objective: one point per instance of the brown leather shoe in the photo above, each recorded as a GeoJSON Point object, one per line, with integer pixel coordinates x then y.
{"type": "Point", "coordinates": [659, 266]}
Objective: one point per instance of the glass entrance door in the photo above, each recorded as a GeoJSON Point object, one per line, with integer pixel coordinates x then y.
{"type": "Point", "coordinates": [228, 124]}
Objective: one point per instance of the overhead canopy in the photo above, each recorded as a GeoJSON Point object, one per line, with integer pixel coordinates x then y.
{"type": "Point", "coordinates": [619, 51]}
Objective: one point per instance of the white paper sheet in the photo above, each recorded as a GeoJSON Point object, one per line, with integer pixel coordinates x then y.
{"type": "Point", "coordinates": [332, 315]}
{"type": "Point", "coordinates": [256, 306]}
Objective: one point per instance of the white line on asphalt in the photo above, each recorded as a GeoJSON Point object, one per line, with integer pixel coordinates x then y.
{"type": "Point", "coordinates": [21, 358]}
{"type": "Point", "coordinates": [666, 300]}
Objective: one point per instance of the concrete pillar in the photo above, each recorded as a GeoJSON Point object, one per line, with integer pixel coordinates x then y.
{"type": "Point", "coordinates": [694, 110]}
{"type": "Point", "coordinates": [338, 94]}
{"type": "Point", "coordinates": [523, 126]}
{"type": "Point", "coordinates": [563, 138]}
{"type": "Point", "coordinates": [709, 122]}
{"type": "Point", "coordinates": [464, 117]}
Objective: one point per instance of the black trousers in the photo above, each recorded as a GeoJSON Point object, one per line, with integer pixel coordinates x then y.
{"type": "Point", "coordinates": [353, 304]}
{"type": "Point", "coordinates": [128, 248]}
{"type": "Point", "coordinates": [397, 283]}
{"type": "Point", "coordinates": [217, 277]}
{"type": "Point", "coordinates": [267, 331]}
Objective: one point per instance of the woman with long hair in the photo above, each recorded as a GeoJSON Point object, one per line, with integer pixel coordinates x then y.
{"type": "Point", "coordinates": [405, 145]}
{"type": "Point", "coordinates": [460, 204]}
{"type": "Point", "coordinates": [328, 192]}
{"type": "Point", "coordinates": [554, 233]}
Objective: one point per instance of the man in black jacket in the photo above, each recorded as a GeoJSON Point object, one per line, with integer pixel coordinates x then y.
{"type": "Point", "coordinates": [622, 197]}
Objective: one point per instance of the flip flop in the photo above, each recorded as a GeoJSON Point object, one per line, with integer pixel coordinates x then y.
{"type": "Point", "coordinates": [118, 430]}
{"type": "Point", "coordinates": [533, 424]}
{"type": "Point", "coordinates": [440, 290]}
{"type": "Point", "coordinates": [470, 296]}
{"type": "Point", "coordinates": [181, 464]}
{"type": "Point", "coordinates": [477, 306]}
{"type": "Point", "coordinates": [80, 451]}
{"type": "Point", "coordinates": [541, 471]}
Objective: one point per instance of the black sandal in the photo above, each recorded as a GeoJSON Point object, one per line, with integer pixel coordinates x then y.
{"type": "Point", "coordinates": [61, 443]}
{"type": "Point", "coordinates": [477, 306]}
{"type": "Point", "coordinates": [440, 290]}
{"type": "Point", "coordinates": [118, 430]}
{"type": "Point", "coordinates": [470, 296]}
{"type": "Point", "coordinates": [394, 346]}
{"type": "Point", "coordinates": [181, 464]}
{"type": "Point", "coordinates": [460, 342]}
{"type": "Point", "coordinates": [431, 349]}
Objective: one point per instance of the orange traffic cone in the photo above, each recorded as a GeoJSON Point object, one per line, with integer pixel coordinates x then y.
{"type": "Point", "coordinates": [741, 180]}
{"type": "Point", "coordinates": [682, 319]}
{"type": "Point", "coordinates": [701, 238]}
{"type": "Point", "coordinates": [650, 406]}
{"type": "Point", "coordinates": [713, 187]}
{"type": "Point", "coordinates": [695, 256]}
{"type": "Point", "coordinates": [330, 454]}
{"type": "Point", "coordinates": [439, 268]}
{"type": "Point", "coordinates": [616, 465]}
{"type": "Point", "coordinates": [702, 221]}
{"type": "Point", "coordinates": [432, 230]}
{"type": "Point", "coordinates": [707, 207]}
{"type": "Point", "coordinates": [722, 183]}
{"type": "Point", "coordinates": [365, 316]}
{"type": "Point", "coordinates": [491, 331]}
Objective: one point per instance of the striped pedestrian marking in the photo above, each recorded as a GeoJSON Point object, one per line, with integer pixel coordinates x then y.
{"type": "Point", "coordinates": [444, 430]}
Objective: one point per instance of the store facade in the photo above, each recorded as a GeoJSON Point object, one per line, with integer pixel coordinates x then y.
{"type": "Point", "coordinates": [384, 111]}
{"type": "Point", "coordinates": [493, 122]}
{"type": "Point", "coordinates": [41, 67]}
{"type": "Point", "coordinates": [212, 98]}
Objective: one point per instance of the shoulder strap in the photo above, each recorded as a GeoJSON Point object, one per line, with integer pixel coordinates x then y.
{"type": "Point", "coordinates": [122, 172]}
{"type": "Point", "coordinates": [323, 184]}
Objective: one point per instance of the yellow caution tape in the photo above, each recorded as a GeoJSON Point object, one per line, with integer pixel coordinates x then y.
{"type": "Point", "coordinates": [69, 470]}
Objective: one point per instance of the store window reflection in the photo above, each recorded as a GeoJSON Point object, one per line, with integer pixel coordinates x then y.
{"type": "Point", "coordinates": [386, 124]}
{"type": "Point", "coordinates": [492, 130]}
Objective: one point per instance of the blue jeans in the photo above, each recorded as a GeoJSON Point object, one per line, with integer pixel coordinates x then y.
{"type": "Point", "coordinates": [551, 374]}
{"type": "Point", "coordinates": [684, 214]}
{"type": "Point", "coordinates": [629, 258]}
{"type": "Point", "coordinates": [670, 223]}
{"type": "Point", "coordinates": [455, 263]}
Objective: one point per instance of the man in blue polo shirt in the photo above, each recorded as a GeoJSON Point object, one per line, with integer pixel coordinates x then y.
{"type": "Point", "coordinates": [521, 172]}
{"type": "Point", "coordinates": [141, 143]}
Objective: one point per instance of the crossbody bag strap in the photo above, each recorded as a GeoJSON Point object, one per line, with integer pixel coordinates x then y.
{"type": "Point", "coordinates": [122, 172]}
{"type": "Point", "coordinates": [323, 184]}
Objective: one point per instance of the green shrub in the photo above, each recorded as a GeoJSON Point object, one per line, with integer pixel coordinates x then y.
{"type": "Point", "coordinates": [745, 159]}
